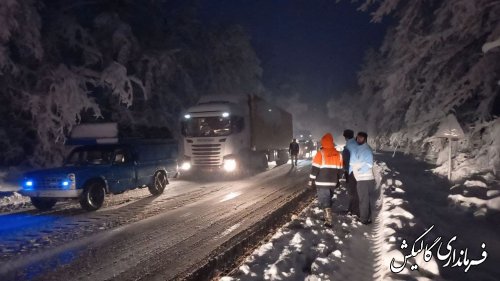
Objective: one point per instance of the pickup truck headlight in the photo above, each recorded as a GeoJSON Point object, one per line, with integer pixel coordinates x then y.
{"type": "Point", "coordinates": [28, 184]}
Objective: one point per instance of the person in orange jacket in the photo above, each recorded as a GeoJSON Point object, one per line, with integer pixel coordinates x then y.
{"type": "Point", "coordinates": [327, 168]}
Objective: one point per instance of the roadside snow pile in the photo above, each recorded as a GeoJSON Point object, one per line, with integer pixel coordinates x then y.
{"type": "Point", "coordinates": [479, 195]}
{"type": "Point", "coordinates": [478, 153]}
{"type": "Point", "coordinates": [301, 250]}
{"type": "Point", "coordinates": [304, 249]}
{"type": "Point", "coordinates": [13, 201]}
{"type": "Point", "coordinates": [9, 199]}
{"type": "Point", "coordinates": [396, 224]}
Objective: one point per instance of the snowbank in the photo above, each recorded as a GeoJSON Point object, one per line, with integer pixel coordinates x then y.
{"type": "Point", "coordinates": [395, 222]}
{"type": "Point", "coordinates": [491, 45]}
{"type": "Point", "coordinates": [477, 153]}
{"type": "Point", "coordinates": [304, 249]}
{"type": "Point", "coordinates": [13, 201]}
{"type": "Point", "coordinates": [9, 199]}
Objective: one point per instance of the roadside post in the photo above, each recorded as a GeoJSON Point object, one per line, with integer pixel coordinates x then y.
{"type": "Point", "coordinates": [396, 148]}
{"type": "Point", "coordinates": [450, 129]}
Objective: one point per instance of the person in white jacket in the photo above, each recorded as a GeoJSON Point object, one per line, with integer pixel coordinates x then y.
{"type": "Point", "coordinates": [362, 168]}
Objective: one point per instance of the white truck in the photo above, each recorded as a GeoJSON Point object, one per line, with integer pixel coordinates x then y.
{"type": "Point", "coordinates": [234, 133]}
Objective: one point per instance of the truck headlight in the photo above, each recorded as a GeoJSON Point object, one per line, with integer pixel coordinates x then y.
{"type": "Point", "coordinates": [186, 166]}
{"type": "Point", "coordinates": [229, 165]}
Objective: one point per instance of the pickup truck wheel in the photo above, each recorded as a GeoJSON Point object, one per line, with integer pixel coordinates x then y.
{"type": "Point", "coordinates": [160, 181]}
{"type": "Point", "coordinates": [92, 196]}
{"type": "Point", "coordinates": [43, 203]}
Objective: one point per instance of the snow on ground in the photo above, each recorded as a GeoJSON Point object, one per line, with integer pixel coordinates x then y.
{"type": "Point", "coordinates": [469, 162]}
{"type": "Point", "coordinates": [304, 249]}
{"type": "Point", "coordinates": [479, 192]}
{"type": "Point", "coordinates": [9, 199]}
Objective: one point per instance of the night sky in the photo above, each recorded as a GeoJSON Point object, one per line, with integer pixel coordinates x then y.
{"type": "Point", "coordinates": [315, 46]}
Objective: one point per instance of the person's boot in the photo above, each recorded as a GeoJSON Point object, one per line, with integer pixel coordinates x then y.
{"type": "Point", "coordinates": [328, 217]}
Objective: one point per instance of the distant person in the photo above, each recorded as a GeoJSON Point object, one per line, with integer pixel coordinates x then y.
{"type": "Point", "coordinates": [294, 151]}
{"type": "Point", "coordinates": [325, 172]}
{"type": "Point", "coordinates": [349, 149]}
{"type": "Point", "coordinates": [362, 167]}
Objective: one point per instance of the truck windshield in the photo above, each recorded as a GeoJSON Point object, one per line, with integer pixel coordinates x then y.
{"type": "Point", "coordinates": [89, 156]}
{"type": "Point", "coordinates": [206, 127]}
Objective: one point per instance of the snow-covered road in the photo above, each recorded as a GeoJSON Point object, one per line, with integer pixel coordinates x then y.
{"type": "Point", "coordinates": [138, 236]}
{"type": "Point", "coordinates": [195, 225]}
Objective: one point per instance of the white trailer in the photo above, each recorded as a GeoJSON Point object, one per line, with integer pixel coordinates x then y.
{"type": "Point", "coordinates": [232, 133]}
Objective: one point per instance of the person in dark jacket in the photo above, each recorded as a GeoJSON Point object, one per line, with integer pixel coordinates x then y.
{"type": "Point", "coordinates": [350, 149]}
{"type": "Point", "coordinates": [326, 170]}
{"type": "Point", "coordinates": [294, 151]}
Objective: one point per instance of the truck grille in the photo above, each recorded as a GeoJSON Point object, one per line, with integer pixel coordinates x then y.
{"type": "Point", "coordinates": [49, 183]}
{"type": "Point", "coordinates": [207, 154]}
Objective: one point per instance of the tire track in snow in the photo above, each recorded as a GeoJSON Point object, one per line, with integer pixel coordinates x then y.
{"type": "Point", "coordinates": [305, 250]}
{"type": "Point", "coordinates": [170, 231]}
{"type": "Point", "coordinates": [34, 238]}
{"type": "Point", "coordinates": [360, 252]}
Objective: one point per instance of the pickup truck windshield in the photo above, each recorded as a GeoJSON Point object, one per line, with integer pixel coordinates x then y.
{"type": "Point", "coordinates": [89, 156]}
{"type": "Point", "coordinates": [206, 127]}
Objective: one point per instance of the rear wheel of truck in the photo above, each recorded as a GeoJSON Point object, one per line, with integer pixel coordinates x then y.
{"type": "Point", "coordinates": [43, 203]}
{"type": "Point", "coordinates": [159, 183]}
{"type": "Point", "coordinates": [282, 157]}
{"type": "Point", "coordinates": [264, 164]}
{"type": "Point", "coordinates": [93, 196]}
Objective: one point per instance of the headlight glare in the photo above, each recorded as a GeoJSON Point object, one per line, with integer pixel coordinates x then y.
{"type": "Point", "coordinates": [186, 166]}
{"type": "Point", "coordinates": [229, 165]}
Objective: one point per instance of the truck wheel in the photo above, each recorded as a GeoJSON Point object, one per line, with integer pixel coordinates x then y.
{"type": "Point", "coordinates": [160, 181]}
{"type": "Point", "coordinates": [43, 204]}
{"type": "Point", "coordinates": [282, 157]}
{"type": "Point", "coordinates": [264, 164]}
{"type": "Point", "coordinates": [92, 196]}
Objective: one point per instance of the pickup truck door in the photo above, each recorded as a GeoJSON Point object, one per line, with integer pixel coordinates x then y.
{"type": "Point", "coordinates": [123, 172]}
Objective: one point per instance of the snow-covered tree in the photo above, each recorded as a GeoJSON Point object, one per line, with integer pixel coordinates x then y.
{"type": "Point", "coordinates": [134, 62]}
{"type": "Point", "coordinates": [430, 64]}
{"type": "Point", "coordinates": [233, 67]}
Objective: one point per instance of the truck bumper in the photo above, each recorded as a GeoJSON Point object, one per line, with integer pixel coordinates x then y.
{"type": "Point", "coordinates": [199, 168]}
{"type": "Point", "coordinates": [72, 193]}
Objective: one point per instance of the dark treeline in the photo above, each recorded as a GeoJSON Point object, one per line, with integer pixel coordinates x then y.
{"type": "Point", "coordinates": [133, 62]}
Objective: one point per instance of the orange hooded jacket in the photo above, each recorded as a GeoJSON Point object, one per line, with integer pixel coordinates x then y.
{"type": "Point", "coordinates": [327, 164]}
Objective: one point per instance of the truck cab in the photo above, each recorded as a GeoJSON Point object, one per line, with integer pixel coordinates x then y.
{"type": "Point", "coordinates": [213, 134]}
{"type": "Point", "coordinates": [228, 133]}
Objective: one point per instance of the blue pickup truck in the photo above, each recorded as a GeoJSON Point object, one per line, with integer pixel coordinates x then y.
{"type": "Point", "coordinates": [92, 171]}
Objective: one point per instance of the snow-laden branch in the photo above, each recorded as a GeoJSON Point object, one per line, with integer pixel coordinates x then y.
{"type": "Point", "coordinates": [116, 78]}
{"type": "Point", "coordinates": [491, 45]}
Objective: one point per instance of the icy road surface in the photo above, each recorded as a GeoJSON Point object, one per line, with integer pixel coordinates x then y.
{"type": "Point", "coordinates": [139, 236]}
